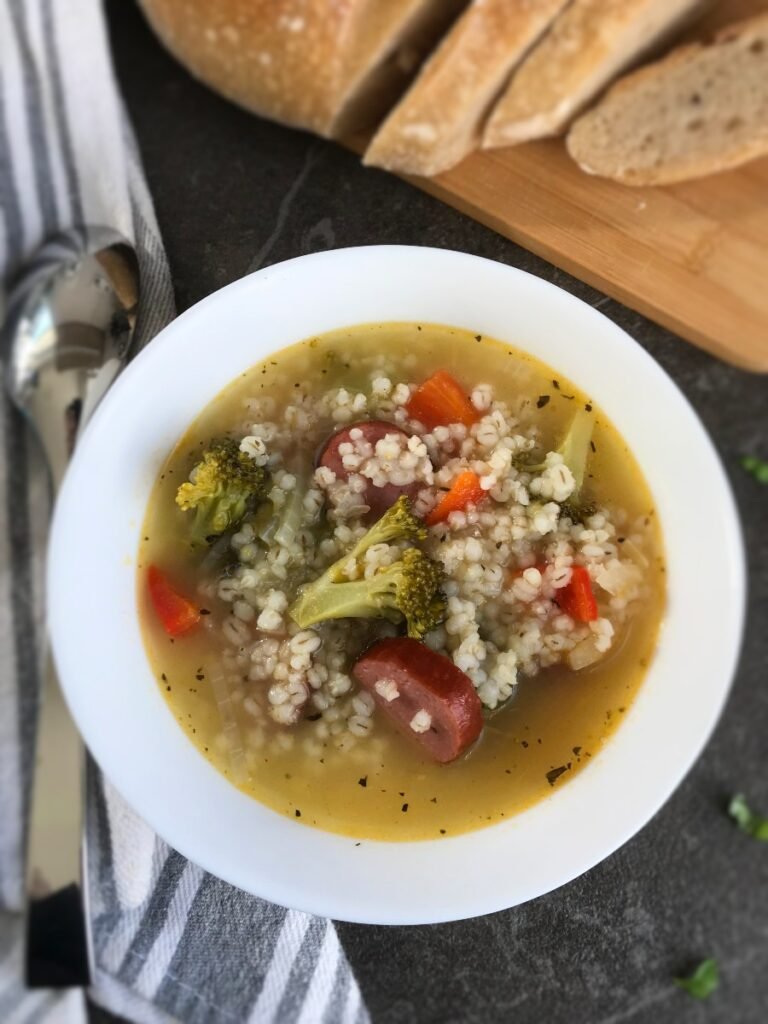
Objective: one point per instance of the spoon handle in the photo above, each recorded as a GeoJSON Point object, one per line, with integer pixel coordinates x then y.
{"type": "Point", "coordinates": [58, 939]}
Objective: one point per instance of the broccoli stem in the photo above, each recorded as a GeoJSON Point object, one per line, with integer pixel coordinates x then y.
{"type": "Point", "coordinates": [353, 599]}
{"type": "Point", "coordinates": [291, 516]}
{"type": "Point", "coordinates": [575, 448]}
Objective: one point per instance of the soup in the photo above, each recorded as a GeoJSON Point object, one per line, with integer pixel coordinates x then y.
{"type": "Point", "coordinates": [400, 581]}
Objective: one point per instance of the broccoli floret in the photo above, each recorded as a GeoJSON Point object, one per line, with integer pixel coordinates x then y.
{"type": "Point", "coordinates": [397, 523]}
{"type": "Point", "coordinates": [222, 489]}
{"type": "Point", "coordinates": [409, 589]}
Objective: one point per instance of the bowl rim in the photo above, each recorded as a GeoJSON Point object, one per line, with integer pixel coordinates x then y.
{"type": "Point", "coordinates": [412, 879]}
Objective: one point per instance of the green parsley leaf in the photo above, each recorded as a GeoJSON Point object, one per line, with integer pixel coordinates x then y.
{"type": "Point", "coordinates": [702, 982]}
{"type": "Point", "coordinates": [753, 824]}
{"type": "Point", "coordinates": [757, 467]}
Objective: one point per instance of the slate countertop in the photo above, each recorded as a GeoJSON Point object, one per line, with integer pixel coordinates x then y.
{"type": "Point", "coordinates": [234, 193]}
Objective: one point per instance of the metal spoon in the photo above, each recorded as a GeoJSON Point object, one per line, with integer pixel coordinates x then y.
{"type": "Point", "coordinates": [67, 335]}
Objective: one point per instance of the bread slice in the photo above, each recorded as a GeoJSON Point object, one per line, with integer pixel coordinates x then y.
{"type": "Point", "coordinates": [325, 66]}
{"type": "Point", "coordinates": [703, 108]}
{"type": "Point", "coordinates": [439, 119]}
{"type": "Point", "coordinates": [590, 43]}
{"type": "Point", "coordinates": [387, 44]}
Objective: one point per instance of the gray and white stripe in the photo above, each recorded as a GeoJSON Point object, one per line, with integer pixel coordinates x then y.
{"type": "Point", "coordinates": [172, 943]}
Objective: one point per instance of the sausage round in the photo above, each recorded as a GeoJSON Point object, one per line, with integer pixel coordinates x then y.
{"type": "Point", "coordinates": [379, 499]}
{"type": "Point", "coordinates": [424, 694]}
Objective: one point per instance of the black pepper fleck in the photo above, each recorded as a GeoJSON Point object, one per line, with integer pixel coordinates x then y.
{"type": "Point", "coordinates": [576, 750]}
{"type": "Point", "coordinates": [555, 773]}
{"type": "Point", "coordinates": [298, 813]}
{"type": "Point", "coordinates": [404, 808]}
{"type": "Point", "coordinates": [525, 743]}
{"type": "Point", "coordinates": [542, 401]}
{"type": "Point", "coordinates": [588, 407]}
{"type": "Point", "coordinates": [363, 782]}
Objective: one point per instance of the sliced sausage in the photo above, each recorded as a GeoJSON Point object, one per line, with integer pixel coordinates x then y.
{"type": "Point", "coordinates": [424, 695]}
{"type": "Point", "coordinates": [378, 498]}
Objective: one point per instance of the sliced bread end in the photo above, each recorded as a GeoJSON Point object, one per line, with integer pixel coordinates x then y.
{"type": "Point", "coordinates": [702, 109]}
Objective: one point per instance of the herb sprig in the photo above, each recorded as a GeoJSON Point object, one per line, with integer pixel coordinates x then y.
{"type": "Point", "coordinates": [748, 821]}
{"type": "Point", "coordinates": [702, 982]}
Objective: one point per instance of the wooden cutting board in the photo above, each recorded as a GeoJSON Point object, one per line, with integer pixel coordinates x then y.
{"type": "Point", "coordinates": [693, 257]}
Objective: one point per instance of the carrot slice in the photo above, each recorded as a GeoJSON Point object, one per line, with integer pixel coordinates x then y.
{"type": "Point", "coordinates": [441, 400]}
{"type": "Point", "coordinates": [176, 614]}
{"type": "Point", "coordinates": [465, 490]}
{"type": "Point", "coordinates": [578, 599]}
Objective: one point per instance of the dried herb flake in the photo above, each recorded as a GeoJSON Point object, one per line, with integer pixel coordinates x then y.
{"type": "Point", "coordinates": [555, 773]}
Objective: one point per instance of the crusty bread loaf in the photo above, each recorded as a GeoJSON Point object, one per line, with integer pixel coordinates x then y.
{"type": "Point", "coordinates": [326, 66]}
{"type": "Point", "coordinates": [438, 121]}
{"type": "Point", "coordinates": [702, 109]}
{"type": "Point", "coordinates": [590, 43]}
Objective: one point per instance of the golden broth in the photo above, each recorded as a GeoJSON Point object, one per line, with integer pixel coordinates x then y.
{"type": "Point", "coordinates": [556, 720]}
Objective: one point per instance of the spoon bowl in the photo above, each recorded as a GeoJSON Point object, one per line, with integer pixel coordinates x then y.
{"type": "Point", "coordinates": [68, 333]}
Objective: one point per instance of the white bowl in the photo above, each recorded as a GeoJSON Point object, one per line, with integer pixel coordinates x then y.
{"type": "Point", "coordinates": [130, 729]}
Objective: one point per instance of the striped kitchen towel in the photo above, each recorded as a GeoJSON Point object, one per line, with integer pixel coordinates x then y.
{"type": "Point", "coordinates": [171, 942]}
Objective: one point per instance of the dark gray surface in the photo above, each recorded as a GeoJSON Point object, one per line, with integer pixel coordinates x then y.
{"type": "Point", "coordinates": [234, 193]}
